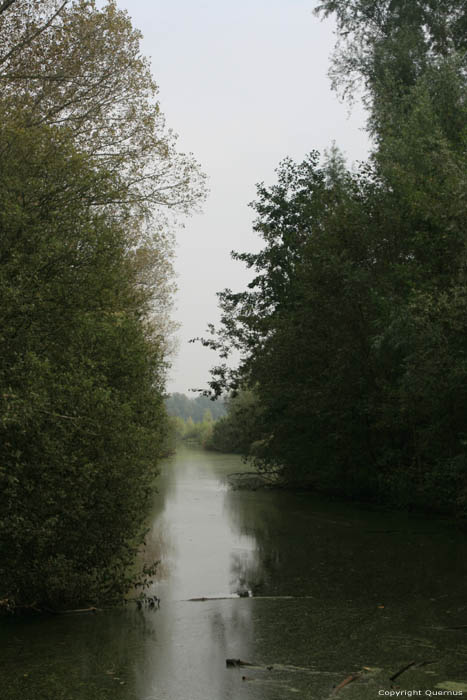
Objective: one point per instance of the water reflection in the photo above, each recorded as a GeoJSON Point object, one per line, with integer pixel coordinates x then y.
{"type": "Point", "coordinates": [368, 589]}
{"type": "Point", "coordinates": [332, 550]}
{"type": "Point", "coordinates": [198, 635]}
{"type": "Point", "coordinates": [198, 537]}
{"type": "Point", "coordinates": [336, 589]}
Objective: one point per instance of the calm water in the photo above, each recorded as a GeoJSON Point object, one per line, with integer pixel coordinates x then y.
{"type": "Point", "coordinates": [335, 590]}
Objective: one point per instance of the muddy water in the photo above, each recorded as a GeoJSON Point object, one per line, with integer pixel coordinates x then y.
{"type": "Point", "coordinates": [333, 592]}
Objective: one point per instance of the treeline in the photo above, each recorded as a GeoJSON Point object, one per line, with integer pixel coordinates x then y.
{"type": "Point", "coordinates": [233, 431]}
{"type": "Point", "coordinates": [88, 176]}
{"type": "Point", "coordinates": [189, 432]}
{"type": "Point", "coordinates": [353, 332]}
{"type": "Point", "coordinates": [196, 407]}
{"type": "Point", "coordinates": [192, 420]}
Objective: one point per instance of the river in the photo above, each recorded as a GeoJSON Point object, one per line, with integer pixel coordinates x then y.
{"type": "Point", "coordinates": [333, 592]}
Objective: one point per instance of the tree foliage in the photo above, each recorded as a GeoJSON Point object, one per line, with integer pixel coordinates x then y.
{"type": "Point", "coordinates": [238, 431]}
{"type": "Point", "coordinates": [87, 170]}
{"type": "Point", "coordinates": [73, 65]}
{"type": "Point", "coordinates": [352, 329]}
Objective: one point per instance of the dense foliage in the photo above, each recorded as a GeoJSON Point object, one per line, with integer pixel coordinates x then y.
{"type": "Point", "coordinates": [85, 283]}
{"type": "Point", "coordinates": [353, 331]}
{"type": "Point", "coordinates": [187, 431]}
{"type": "Point", "coordinates": [237, 431]}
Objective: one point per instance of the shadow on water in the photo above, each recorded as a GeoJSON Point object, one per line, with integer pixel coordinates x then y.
{"type": "Point", "coordinates": [336, 591]}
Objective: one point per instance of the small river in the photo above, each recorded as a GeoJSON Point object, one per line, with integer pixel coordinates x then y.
{"type": "Point", "coordinates": [334, 590]}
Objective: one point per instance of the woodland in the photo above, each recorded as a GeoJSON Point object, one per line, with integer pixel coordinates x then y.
{"type": "Point", "coordinates": [352, 333]}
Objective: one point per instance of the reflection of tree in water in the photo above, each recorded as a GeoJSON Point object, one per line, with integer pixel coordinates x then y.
{"type": "Point", "coordinates": [342, 588]}
{"type": "Point", "coordinates": [245, 573]}
{"type": "Point", "coordinates": [86, 657]}
{"type": "Point", "coordinates": [158, 545]}
{"type": "Point", "coordinates": [159, 548]}
{"type": "Point", "coordinates": [306, 547]}
{"type": "Point", "coordinates": [260, 517]}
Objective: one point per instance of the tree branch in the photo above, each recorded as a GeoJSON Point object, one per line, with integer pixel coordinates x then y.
{"type": "Point", "coordinates": [5, 5]}
{"type": "Point", "coordinates": [34, 35]}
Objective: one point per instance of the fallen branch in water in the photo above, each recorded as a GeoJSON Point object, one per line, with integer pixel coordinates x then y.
{"type": "Point", "coordinates": [203, 600]}
{"type": "Point", "coordinates": [236, 596]}
{"type": "Point", "coordinates": [237, 662]}
{"type": "Point", "coordinates": [402, 670]}
{"type": "Point", "coordinates": [9, 607]}
{"type": "Point", "coordinates": [76, 611]}
{"type": "Point", "coordinates": [346, 681]}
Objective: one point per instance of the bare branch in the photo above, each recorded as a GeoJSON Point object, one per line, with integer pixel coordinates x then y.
{"type": "Point", "coordinates": [36, 76]}
{"type": "Point", "coordinates": [34, 35]}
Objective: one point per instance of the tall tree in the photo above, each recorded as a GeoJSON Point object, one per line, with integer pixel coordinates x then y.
{"type": "Point", "coordinates": [79, 67]}
{"type": "Point", "coordinates": [89, 176]}
{"type": "Point", "coordinates": [351, 330]}
{"type": "Point", "coordinates": [82, 377]}
{"type": "Point", "coordinates": [387, 45]}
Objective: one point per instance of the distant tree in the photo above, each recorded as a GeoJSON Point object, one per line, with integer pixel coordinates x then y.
{"type": "Point", "coordinates": [184, 407]}
{"type": "Point", "coordinates": [207, 416]}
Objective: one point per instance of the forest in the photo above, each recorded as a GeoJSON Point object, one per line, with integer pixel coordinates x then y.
{"type": "Point", "coordinates": [352, 332]}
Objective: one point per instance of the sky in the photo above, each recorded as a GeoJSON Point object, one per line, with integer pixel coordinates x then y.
{"type": "Point", "coordinates": [244, 84]}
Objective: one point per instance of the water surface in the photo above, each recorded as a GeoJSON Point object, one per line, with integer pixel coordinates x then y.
{"type": "Point", "coordinates": [335, 590]}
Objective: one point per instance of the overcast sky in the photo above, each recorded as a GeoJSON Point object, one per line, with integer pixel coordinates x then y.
{"type": "Point", "coordinates": [244, 84]}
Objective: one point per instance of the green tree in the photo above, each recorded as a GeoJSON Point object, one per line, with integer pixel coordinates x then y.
{"type": "Point", "coordinates": [88, 172]}
{"type": "Point", "coordinates": [75, 65]}
{"type": "Point", "coordinates": [240, 430]}
{"type": "Point", "coordinates": [79, 67]}
{"type": "Point", "coordinates": [180, 405]}
{"type": "Point", "coordinates": [82, 415]}
{"type": "Point", "coordinates": [351, 329]}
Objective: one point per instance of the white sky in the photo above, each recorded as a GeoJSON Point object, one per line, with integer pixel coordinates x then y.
{"type": "Point", "coordinates": [244, 84]}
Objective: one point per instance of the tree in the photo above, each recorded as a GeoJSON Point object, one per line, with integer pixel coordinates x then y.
{"type": "Point", "coordinates": [197, 407]}
{"type": "Point", "coordinates": [240, 428]}
{"type": "Point", "coordinates": [351, 329]}
{"type": "Point", "coordinates": [5, 5]}
{"type": "Point", "coordinates": [82, 377]}
{"type": "Point", "coordinates": [79, 67]}
{"type": "Point", "coordinates": [87, 171]}
{"type": "Point", "coordinates": [387, 45]}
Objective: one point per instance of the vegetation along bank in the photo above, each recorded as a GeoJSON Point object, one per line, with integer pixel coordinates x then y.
{"type": "Point", "coordinates": [353, 331]}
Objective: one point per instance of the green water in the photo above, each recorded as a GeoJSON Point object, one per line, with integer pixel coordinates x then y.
{"type": "Point", "coordinates": [335, 590]}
